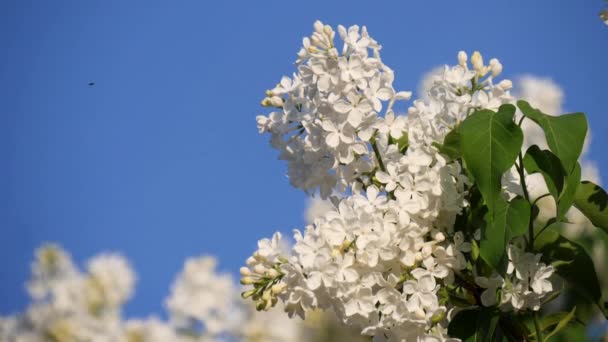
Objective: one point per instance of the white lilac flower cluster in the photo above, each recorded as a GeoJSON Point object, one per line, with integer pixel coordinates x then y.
{"type": "Point", "coordinates": [71, 305]}
{"type": "Point", "coordinates": [380, 258]}
{"type": "Point", "coordinates": [526, 284]}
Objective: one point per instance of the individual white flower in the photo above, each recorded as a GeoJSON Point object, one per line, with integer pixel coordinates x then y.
{"type": "Point", "coordinates": [491, 285]}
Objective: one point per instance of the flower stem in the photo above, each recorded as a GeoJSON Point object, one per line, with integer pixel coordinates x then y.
{"type": "Point", "coordinates": [539, 332]}
{"type": "Point", "coordinates": [377, 152]}
{"type": "Point", "coordinates": [522, 178]}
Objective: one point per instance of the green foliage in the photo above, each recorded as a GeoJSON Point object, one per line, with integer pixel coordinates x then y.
{"type": "Point", "coordinates": [557, 321]}
{"type": "Point", "coordinates": [571, 262]}
{"type": "Point", "coordinates": [518, 216]}
{"type": "Point", "coordinates": [565, 134]}
{"type": "Point", "coordinates": [490, 142]}
{"type": "Point", "coordinates": [464, 325]}
{"type": "Point", "coordinates": [567, 197]}
{"type": "Point", "coordinates": [592, 201]}
{"type": "Point", "coordinates": [549, 166]}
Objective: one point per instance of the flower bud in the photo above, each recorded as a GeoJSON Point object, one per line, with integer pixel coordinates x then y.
{"type": "Point", "coordinates": [272, 273]}
{"type": "Point", "coordinates": [259, 269]}
{"type": "Point", "coordinates": [267, 295]}
{"type": "Point", "coordinates": [276, 101]}
{"type": "Point", "coordinates": [318, 25]}
{"type": "Point", "coordinates": [462, 59]}
{"type": "Point", "coordinates": [427, 250]}
{"type": "Point", "coordinates": [477, 61]}
{"type": "Point", "coordinates": [495, 67]}
{"type": "Point", "coordinates": [250, 261]}
{"type": "Point", "coordinates": [247, 281]}
{"type": "Point", "coordinates": [278, 288]}
{"type": "Point", "coordinates": [266, 102]}
{"type": "Point", "coordinates": [248, 294]}
{"type": "Point", "coordinates": [420, 314]}
{"type": "Point", "coordinates": [439, 236]}
{"type": "Point", "coordinates": [315, 40]}
{"type": "Point", "coordinates": [505, 85]}
{"type": "Point", "coordinates": [245, 271]}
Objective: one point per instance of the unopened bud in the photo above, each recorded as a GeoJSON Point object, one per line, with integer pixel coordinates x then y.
{"type": "Point", "coordinates": [260, 305]}
{"type": "Point", "coordinates": [345, 245]}
{"type": "Point", "coordinates": [477, 61]}
{"type": "Point", "coordinates": [267, 295]}
{"type": "Point", "coordinates": [336, 252]}
{"type": "Point", "coordinates": [259, 269]}
{"type": "Point", "coordinates": [250, 261]}
{"type": "Point", "coordinates": [418, 257]}
{"type": "Point", "coordinates": [315, 40]}
{"type": "Point", "coordinates": [439, 237]}
{"type": "Point", "coordinates": [427, 250]}
{"type": "Point", "coordinates": [462, 59]}
{"type": "Point", "coordinates": [276, 101]}
{"type": "Point", "coordinates": [248, 294]}
{"type": "Point", "coordinates": [318, 25]}
{"type": "Point", "coordinates": [245, 271]}
{"type": "Point", "coordinates": [495, 67]}
{"type": "Point", "coordinates": [438, 317]}
{"type": "Point", "coordinates": [505, 84]}
{"type": "Point", "coordinates": [328, 31]}
{"type": "Point", "coordinates": [272, 273]}
{"type": "Point", "coordinates": [278, 288]}
{"type": "Point", "coordinates": [420, 314]}
{"type": "Point", "coordinates": [266, 102]}
{"type": "Point", "coordinates": [247, 280]}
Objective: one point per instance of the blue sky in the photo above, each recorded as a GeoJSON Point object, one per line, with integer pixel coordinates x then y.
{"type": "Point", "coordinates": [161, 160]}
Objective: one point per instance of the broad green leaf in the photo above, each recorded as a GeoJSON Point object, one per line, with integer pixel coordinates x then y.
{"type": "Point", "coordinates": [592, 201]}
{"type": "Point", "coordinates": [486, 325]}
{"type": "Point", "coordinates": [518, 216]}
{"type": "Point", "coordinates": [451, 144]}
{"type": "Point", "coordinates": [560, 320]}
{"type": "Point", "coordinates": [571, 262]}
{"type": "Point", "coordinates": [565, 134]}
{"type": "Point", "coordinates": [489, 143]}
{"type": "Point", "coordinates": [549, 166]}
{"type": "Point", "coordinates": [567, 197]}
{"type": "Point", "coordinates": [494, 236]}
{"type": "Point", "coordinates": [464, 325]}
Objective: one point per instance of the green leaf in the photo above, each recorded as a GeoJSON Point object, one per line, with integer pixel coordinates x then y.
{"type": "Point", "coordinates": [549, 166]}
{"type": "Point", "coordinates": [560, 320]}
{"type": "Point", "coordinates": [518, 216]}
{"type": "Point", "coordinates": [567, 197]}
{"type": "Point", "coordinates": [489, 143]}
{"type": "Point", "coordinates": [565, 134]}
{"type": "Point", "coordinates": [494, 236]}
{"type": "Point", "coordinates": [451, 144]}
{"type": "Point", "coordinates": [486, 325]}
{"type": "Point", "coordinates": [592, 201]}
{"type": "Point", "coordinates": [462, 327]}
{"type": "Point", "coordinates": [573, 264]}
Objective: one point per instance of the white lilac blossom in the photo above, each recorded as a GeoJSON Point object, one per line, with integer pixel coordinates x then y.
{"type": "Point", "coordinates": [202, 297]}
{"type": "Point", "coordinates": [381, 256]}
{"type": "Point", "coordinates": [69, 304]}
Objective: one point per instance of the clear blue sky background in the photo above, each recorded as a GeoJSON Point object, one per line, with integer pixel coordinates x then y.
{"type": "Point", "coordinates": [161, 159]}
